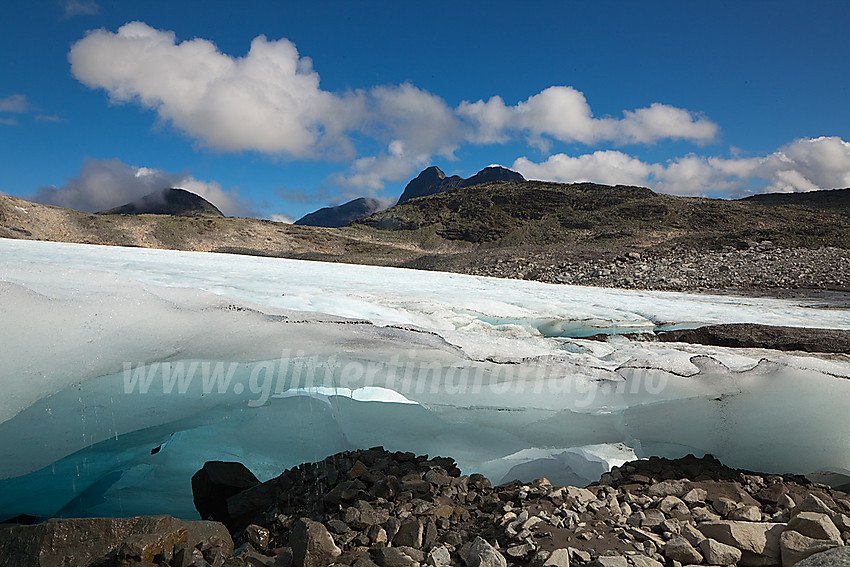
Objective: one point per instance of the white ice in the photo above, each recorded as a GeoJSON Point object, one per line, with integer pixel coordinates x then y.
{"type": "Point", "coordinates": [123, 370]}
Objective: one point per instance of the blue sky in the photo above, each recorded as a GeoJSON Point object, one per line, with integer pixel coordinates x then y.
{"type": "Point", "coordinates": [101, 102]}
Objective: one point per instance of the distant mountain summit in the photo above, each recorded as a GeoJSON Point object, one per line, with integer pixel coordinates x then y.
{"type": "Point", "coordinates": [171, 201]}
{"type": "Point", "coordinates": [341, 215]}
{"type": "Point", "coordinates": [432, 180]}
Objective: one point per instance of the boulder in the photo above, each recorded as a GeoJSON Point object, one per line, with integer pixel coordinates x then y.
{"type": "Point", "coordinates": [717, 553]}
{"type": "Point", "coordinates": [837, 557]}
{"type": "Point", "coordinates": [758, 541]}
{"type": "Point", "coordinates": [679, 549]}
{"type": "Point", "coordinates": [215, 483]}
{"type": "Point", "coordinates": [482, 554]}
{"type": "Point", "coordinates": [812, 503]}
{"type": "Point", "coordinates": [409, 533]}
{"type": "Point", "coordinates": [815, 525]}
{"type": "Point", "coordinates": [312, 544]}
{"type": "Point", "coordinates": [558, 558]}
{"type": "Point", "coordinates": [796, 547]}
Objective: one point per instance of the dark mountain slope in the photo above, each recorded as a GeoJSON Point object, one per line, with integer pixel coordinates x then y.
{"type": "Point", "coordinates": [341, 215]}
{"type": "Point", "coordinates": [178, 202]}
{"type": "Point", "coordinates": [433, 180]}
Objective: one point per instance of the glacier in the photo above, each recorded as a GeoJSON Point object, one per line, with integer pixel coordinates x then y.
{"type": "Point", "coordinates": [124, 370]}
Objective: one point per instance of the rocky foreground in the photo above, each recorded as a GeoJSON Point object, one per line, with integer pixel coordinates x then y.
{"type": "Point", "coordinates": [373, 508]}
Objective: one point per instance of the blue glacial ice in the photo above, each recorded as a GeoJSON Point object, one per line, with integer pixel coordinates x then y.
{"type": "Point", "coordinates": [124, 370]}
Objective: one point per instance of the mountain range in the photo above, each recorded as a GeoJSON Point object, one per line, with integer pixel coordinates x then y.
{"type": "Point", "coordinates": [429, 182]}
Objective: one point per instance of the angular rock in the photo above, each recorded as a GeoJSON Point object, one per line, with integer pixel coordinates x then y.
{"type": "Point", "coordinates": [668, 488]}
{"type": "Point", "coordinates": [837, 557]}
{"type": "Point", "coordinates": [439, 557]}
{"type": "Point", "coordinates": [796, 547]}
{"type": "Point", "coordinates": [312, 544]}
{"type": "Point", "coordinates": [679, 549]}
{"type": "Point", "coordinates": [758, 541]}
{"type": "Point", "coordinates": [815, 525]}
{"type": "Point", "coordinates": [812, 503]}
{"type": "Point", "coordinates": [611, 561]}
{"type": "Point", "coordinates": [639, 560]}
{"type": "Point", "coordinates": [409, 533]}
{"type": "Point", "coordinates": [558, 558]}
{"type": "Point", "coordinates": [482, 554]}
{"type": "Point", "coordinates": [392, 557]}
{"type": "Point", "coordinates": [717, 553]}
{"type": "Point", "coordinates": [746, 514]}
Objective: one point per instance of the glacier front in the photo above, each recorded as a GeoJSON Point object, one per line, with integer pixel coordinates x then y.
{"type": "Point", "coordinates": [124, 370]}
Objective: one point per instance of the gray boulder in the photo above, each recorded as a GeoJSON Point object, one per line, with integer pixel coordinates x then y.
{"type": "Point", "coordinates": [312, 544]}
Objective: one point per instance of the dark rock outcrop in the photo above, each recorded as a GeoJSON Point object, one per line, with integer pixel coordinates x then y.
{"type": "Point", "coordinates": [102, 542]}
{"type": "Point", "coordinates": [178, 202]}
{"type": "Point", "coordinates": [432, 180]}
{"type": "Point", "coordinates": [748, 335]}
{"type": "Point", "coordinates": [215, 483]}
{"type": "Point", "coordinates": [341, 215]}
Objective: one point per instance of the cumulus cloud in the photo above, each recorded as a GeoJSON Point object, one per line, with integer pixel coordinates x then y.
{"type": "Point", "coordinates": [563, 113]}
{"type": "Point", "coordinates": [805, 164]}
{"type": "Point", "coordinates": [104, 184]}
{"type": "Point", "coordinates": [270, 101]}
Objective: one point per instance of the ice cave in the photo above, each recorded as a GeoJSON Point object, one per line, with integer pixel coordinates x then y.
{"type": "Point", "coordinates": [125, 369]}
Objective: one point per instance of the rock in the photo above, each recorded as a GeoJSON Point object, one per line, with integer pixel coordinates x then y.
{"type": "Point", "coordinates": [695, 496]}
{"type": "Point", "coordinates": [837, 557]}
{"type": "Point", "coordinates": [581, 495]}
{"type": "Point", "coordinates": [815, 525]}
{"type": "Point", "coordinates": [758, 541]}
{"type": "Point", "coordinates": [812, 503]}
{"type": "Point", "coordinates": [670, 503]}
{"type": "Point", "coordinates": [439, 557]}
{"type": "Point", "coordinates": [796, 547]}
{"type": "Point", "coordinates": [842, 522]}
{"type": "Point", "coordinates": [91, 541]}
{"type": "Point", "coordinates": [724, 505]}
{"type": "Point", "coordinates": [639, 560]}
{"type": "Point", "coordinates": [558, 558]}
{"type": "Point", "coordinates": [482, 554]}
{"type": "Point", "coordinates": [409, 533]}
{"type": "Point", "coordinates": [693, 535]}
{"type": "Point", "coordinates": [312, 544]}
{"type": "Point", "coordinates": [717, 553]}
{"type": "Point", "coordinates": [679, 549]}
{"type": "Point", "coordinates": [668, 488]}
{"type": "Point", "coordinates": [392, 557]}
{"type": "Point", "coordinates": [579, 555]}
{"type": "Point", "coordinates": [746, 514]}
{"type": "Point", "coordinates": [612, 561]}
{"type": "Point", "coordinates": [215, 483]}
{"type": "Point", "coordinates": [257, 536]}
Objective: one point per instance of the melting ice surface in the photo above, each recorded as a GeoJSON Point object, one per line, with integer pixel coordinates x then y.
{"type": "Point", "coordinates": [124, 370]}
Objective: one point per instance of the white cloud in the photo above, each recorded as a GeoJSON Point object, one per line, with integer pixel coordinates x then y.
{"type": "Point", "coordinates": [280, 217]}
{"type": "Point", "coordinates": [563, 113]}
{"type": "Point", "coordinates": [608, 167]}
{"type": "Point", "coordinates": [108, 183]}
{"type": "Point", "coordinates": [80, 8]}
{"type": "Point", "coordinates": [271, 101]}
{"type": "Point", "coordinates": [802, 165]}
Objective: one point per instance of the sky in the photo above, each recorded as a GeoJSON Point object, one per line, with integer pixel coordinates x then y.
{"type": "Point", "coordinates": [273, 109]}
